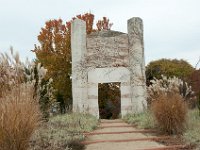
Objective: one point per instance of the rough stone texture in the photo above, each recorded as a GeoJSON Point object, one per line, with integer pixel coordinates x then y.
{"type": "Point", "coordinates": [137, 64]}
{"type": "Point", "coordinates": [104, 57]}
{"type": "Point", "coordinates": [105, 33]}
{"type": "Point", "coordinates": [108, 51]}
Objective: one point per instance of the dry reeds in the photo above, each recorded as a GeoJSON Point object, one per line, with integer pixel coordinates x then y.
{"type": "Point", "coordinates": [19, 107]}
{"type": "Point", "coordinates": [170, 113]}
{"type": "Point", "coordinates": [19, 117]}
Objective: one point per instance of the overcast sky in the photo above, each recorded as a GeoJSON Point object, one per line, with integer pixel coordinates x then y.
{"type": "Point", "coordinates": [171, 27]}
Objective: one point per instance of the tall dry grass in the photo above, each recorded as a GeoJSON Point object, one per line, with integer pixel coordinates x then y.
{"type": "Point", "coordinates": [19, 107]}
{"type": "Point", "coordinates": [19, 117]}
{"type": "Point", "coordinates": [167, 99]}
{"type": "Point", "coordinates": [11, 71]}
{"type": "Point", "coordinates": [170, 112]}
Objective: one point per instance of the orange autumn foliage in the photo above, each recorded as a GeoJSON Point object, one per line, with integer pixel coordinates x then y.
{"type": "Point", "coordinates": [54, 52]}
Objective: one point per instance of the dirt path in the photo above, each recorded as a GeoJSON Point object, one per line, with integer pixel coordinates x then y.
{"type": "Point", "coordinates": [117, 135]}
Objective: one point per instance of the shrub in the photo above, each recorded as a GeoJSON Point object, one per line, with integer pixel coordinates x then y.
{"type": "Point", "coordinates": [19, 117]}
{"type": "Point", "coordinates": [170, 113]}
{"type": "Point", "coordinates": [43, 89]}
{"type": "Point", "coordinates": [168, 67]}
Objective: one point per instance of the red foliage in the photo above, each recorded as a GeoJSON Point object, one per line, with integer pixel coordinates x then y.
{"type": "Point", "coordinates": [104, 24]}
{"type": "Point", "coordinates": [195, 81]}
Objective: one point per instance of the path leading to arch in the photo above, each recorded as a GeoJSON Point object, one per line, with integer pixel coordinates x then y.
{"type": "Point", "coordinates": [118, 135]}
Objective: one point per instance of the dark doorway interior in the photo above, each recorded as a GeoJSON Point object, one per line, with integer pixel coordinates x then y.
{"type": "Point", "coordinates": [109, 99]}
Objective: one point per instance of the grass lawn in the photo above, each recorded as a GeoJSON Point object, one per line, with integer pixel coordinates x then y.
{"type": "Point", "coordinates": [192, 134]}
{"type": "Point", "coordinates": [143, 120]}
{"type": "Point", "coordinates": [63, 132]}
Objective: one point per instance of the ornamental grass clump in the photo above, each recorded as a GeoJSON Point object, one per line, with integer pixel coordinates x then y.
{"type": "Point", "coordinates": [170, 113]}
{"type": "Point", "coordinates": [11, 71]}
{"type": "Point", "coordinates": [19, 117]}
{"type": "Point", "coordinates": [169, 86]}
{"type": "Point", "coordinates": [14, 72]}
{"type": "Point", "coordinates": [20, 113]}
{"type": "Point", "coordinates": [167, 100]}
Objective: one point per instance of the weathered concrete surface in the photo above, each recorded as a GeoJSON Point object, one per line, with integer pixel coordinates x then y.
{"type": "Point", "coordinates": [79, 75]}
{"type": "Point", "coordinates": [106, 75]}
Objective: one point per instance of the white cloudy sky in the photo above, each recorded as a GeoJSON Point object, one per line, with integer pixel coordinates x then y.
{"type": "Point", "coordinates": [171, 27]}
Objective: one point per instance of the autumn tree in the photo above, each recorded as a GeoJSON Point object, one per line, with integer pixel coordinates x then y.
{"type": "Point", "coordinates": [54, 53]}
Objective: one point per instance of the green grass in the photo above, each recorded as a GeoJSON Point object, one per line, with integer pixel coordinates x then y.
{"type": "Point", "coordinates": [192, 134]}
{"type": "Point", "coordinates": [63, 132]}
{"type": "Point", "coordinates": [142, 120]}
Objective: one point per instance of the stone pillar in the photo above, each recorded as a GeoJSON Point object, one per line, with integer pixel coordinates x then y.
{"type": "Point", "coordinates": [93, 106]}
{"type": "Point", "coordinates": [126, 104]}
{"type": "Point", "coordinates": [79, 73]}
{"type": "Point", "coordinates": [137, 64]}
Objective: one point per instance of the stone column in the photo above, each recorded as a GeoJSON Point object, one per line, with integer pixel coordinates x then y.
{"type": "Point", "coordinates": [93, 106]}
{"type": "Point", "coordinates": [79, 73]}
{"type": "Point", "coordinates": [126, 104]}
{"type": "Point", "coordinates": [137, 64]}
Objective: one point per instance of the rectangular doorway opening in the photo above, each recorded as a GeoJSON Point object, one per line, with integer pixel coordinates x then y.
{"type": "Point", "coordinates": [109, 100]}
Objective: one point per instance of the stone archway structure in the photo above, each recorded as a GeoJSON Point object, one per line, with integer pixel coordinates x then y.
{"type": "Point", "coordinates": [104, 57]}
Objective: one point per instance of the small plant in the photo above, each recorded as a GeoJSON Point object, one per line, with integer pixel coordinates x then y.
{"type": "Point", "coordinates": [170, 112]}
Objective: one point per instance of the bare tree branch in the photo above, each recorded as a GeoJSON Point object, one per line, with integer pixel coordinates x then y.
{"type": "Point", "coordinates": [197, 63]}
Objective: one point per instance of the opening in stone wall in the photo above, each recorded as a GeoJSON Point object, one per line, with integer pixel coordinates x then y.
{"type": "Point", "coordinates": [109, 100]}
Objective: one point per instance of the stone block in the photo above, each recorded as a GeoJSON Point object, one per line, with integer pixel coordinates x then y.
{"type": "Point", "coordinates": [108, 75]}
